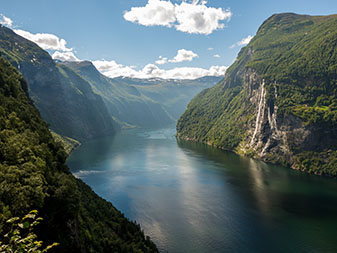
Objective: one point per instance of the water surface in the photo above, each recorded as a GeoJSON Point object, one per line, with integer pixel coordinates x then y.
{"type": "Point", "coordinates": [189, 197]}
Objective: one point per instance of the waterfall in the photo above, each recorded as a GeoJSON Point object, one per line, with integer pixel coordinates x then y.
{"type": "Point", "coordinates": [260, 113]}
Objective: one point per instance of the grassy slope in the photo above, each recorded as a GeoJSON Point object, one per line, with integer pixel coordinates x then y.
{"type": "Point", "coordinates": [33, 175]}
{"type": "Point", "coordinates": [299, 54]}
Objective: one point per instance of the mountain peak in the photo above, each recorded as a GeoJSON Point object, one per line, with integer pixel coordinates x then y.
{"type": "Point", "coordinates": [82, 67]}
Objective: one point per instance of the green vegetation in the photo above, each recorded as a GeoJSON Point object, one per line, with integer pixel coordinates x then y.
{"type": "Point", "coordinates": [209, 115]}
{"type": "Point", "coordinates": [67, 143]}
{"type": "Point", "coordinates": [296, 56]}
{"type": "Point", "coordinates": [299, 54]}
{"type": "Point", "coordinates": [33, 176]}
{"type": "Point", "coordinates": [64, 99]}
{"type": "Point", "coordinates": [79, 102]}
{"type": "Point", "coordinates": [141, 102]}
{"type": "Point", "coordinates": [21, 237]}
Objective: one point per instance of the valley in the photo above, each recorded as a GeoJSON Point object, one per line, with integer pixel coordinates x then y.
{"type": "Point", "coordinates": [170, 155]}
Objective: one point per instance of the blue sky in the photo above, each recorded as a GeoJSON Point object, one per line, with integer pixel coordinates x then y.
{"type": "Point", "coordinates": [103, 32]}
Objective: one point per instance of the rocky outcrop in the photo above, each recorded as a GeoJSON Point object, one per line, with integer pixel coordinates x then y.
{"type": "Point", "coordinates": [277, 102]}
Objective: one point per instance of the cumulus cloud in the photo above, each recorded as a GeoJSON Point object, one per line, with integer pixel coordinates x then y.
{"type": "Point", "coordinates": [51, 42]}
{"type": "Point", "coordinates": [64, 56]}
{"type": "Point", "coordinates": [216, 56]}
{"type": "Point", "coordinates": [155, 12]}
{"type": "Point", "coordinates": [193, 17]}
{"type": "Point", "coordinates": [242, 42]}
{"type": "Point", "coordinates": [6, 21]}
{"type": "Point", "coordinates": [198, 18]}
{"type": "Point", "coordinates": [210, 48]}
{"type": "Point", "coordinates": [113, 69]}
{"type": "Point", "coordinates": [184, 55]}
{"type": "Point", "coordinates": [46, 41]}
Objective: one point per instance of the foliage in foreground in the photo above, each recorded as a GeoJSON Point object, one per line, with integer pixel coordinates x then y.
{"type": "Point", "coordinates": [21, 237]}
{"type": "Point", "coordinates": [33, 176]}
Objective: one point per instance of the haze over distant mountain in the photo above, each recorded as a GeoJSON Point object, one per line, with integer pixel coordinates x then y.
{"type": "Point", "coordinates": [65, 100]}
{"type": "Point", "coordinates": [142, 102]}
{"type": "Point", "coordinates": [79, 102]}
{"type": "Point", "coordinates": [278, 101]}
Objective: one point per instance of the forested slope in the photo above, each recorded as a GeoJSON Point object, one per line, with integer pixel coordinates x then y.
{"type": "Point", "coordinates": [65, 100]}
{"type": "Point", "coordinates": [278, 101]}
{"type": "Point", "coordinates": [33, 175]}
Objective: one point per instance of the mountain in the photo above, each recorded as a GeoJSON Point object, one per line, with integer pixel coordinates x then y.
{"type": "Point", "coordinates": [65, 100]}
{"type": "Point", "coordinates": [278, 101]}
{"type": "Point", "coordinates": [173, 95]}
{"type": "Point", "coordinates": [33, 175]}
{"type": "Point", "coordinates": [81, 103]}
{"type": "Point", "coordinates": [142, 102]}
{"type": "Point", "coordinates": [123, 102]}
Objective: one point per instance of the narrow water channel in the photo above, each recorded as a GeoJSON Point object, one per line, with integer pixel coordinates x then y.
{"type": "Point", "coordinates": [189, 197]}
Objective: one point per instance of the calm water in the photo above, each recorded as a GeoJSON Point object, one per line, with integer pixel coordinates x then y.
{"type": "Point", "coordinates": [193, 198]}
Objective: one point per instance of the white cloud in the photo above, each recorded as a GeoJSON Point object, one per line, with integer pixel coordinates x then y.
{"type": "Point", "coordinates": [64, 56]}
{"type": "Point", "coordinates": [216, 56]}
{"type": "Point", "coordinates": [210, 48]}
{"type": "Point", "coordinates": [46, 41]}
{"type": "Point", "coordinates": [184, 55]}
{"type": "Point", "coordinates": [155, 12]}
{"type": "Point", "coordinates": [242, 42]}
{"type": "Point", "coordinates": [193, 17]}
{"type": "Point", "coordinates": [198, 18]}
{"type": "Point", "coordinates": [162, 60]}
{"type": "Point", "coordinates": [245, 41]}
{"type": "Point", "coordinates": [6, 21]}
{"type": "Point", "coordinates": [113, 69]}
{"type": "Point", "coordinates": [193, 73]}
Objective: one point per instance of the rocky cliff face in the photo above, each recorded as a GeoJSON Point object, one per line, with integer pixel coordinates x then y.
{"type": "Point", "coordinates": [276, 137]}
{"type": "Point", "coordinates": [277, 101]}
{"type": "Point", "coordinates": [65, 100]}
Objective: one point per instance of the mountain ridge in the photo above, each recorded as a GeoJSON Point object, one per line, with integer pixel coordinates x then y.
{"type": "Point", "coordinates": [33, 175]}
{"type": "Point", "coordinates": [278, 100]}
{"type": "Point", "coordinates": [64, 99]}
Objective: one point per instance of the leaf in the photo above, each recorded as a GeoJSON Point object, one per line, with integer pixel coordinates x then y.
{"type": "Point", "coordinates": [12, 220]}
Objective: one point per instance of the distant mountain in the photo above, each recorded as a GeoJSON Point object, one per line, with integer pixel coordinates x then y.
{"type": "Point", "coordinates": [152, 81]}
{"type": "Point", "coordinates": [33, 175]}
{"type": "Point", "coordinates": [278, 101]}
{"type": "Point", "coordinates": [124, 102]}
{"type": "Point", "coordinates": [65, 100]}
{"type": "Point", "coordinates": [142, 102]}
{"type": "Point", "coordinates": [174, 95]}
{"type": "Point", "coordinates": [79, 102]}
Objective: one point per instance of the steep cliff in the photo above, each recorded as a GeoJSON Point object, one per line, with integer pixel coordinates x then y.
{"type": "Point", "coordinates": [33, 175]}
{"type": "Point", "coordinates": [278, 101]}
{"type": "Point", "coordinates": [65, 100]}
{"type": "Point", "coordinates": [142, 102]}
{"type": "Point", "coordinates": [123, 102]}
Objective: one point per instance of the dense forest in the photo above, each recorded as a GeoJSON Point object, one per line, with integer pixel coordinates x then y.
{"type": "Point", "coordinates": [33, 175]}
